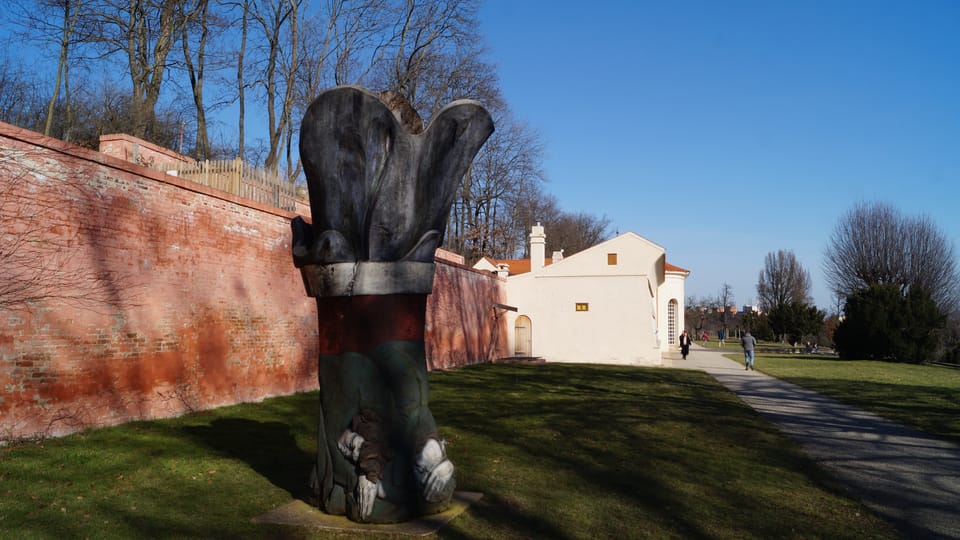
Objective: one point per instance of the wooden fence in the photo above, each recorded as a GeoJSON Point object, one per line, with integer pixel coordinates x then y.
{"type": "Point", "coordinates": [237, 178]}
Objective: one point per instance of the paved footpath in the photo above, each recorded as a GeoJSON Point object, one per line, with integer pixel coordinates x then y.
{"type": "Point", "coordinates": [905, 476]}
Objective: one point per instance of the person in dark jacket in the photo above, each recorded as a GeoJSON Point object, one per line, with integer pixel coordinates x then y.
{"type": "Point", "coordinates": [684, 344]}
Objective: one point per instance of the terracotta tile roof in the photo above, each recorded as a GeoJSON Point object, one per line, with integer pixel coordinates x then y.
{"type": "Point", "coordinates": [518, 266]}
{"type": "Point", "coordinates": [522, 266]}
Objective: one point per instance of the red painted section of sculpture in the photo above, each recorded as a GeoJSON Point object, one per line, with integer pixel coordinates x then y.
{"type": "Point", "coordinates": [359, 323]}
{"type": "Point", "coordinates": [159, 296]}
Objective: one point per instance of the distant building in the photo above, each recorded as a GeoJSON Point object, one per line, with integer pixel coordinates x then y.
{"type": "Point", "coordinates": [751, 309]}
{"type": "Point", "coordinates": [618, 302]}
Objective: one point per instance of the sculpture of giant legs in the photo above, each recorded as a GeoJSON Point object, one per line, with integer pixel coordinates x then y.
{"type": "Point", "coordinates": [380, 195]}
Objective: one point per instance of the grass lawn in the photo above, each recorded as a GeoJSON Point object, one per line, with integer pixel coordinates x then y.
{"type": "Point", "coordinates": [923, 397]}
{"type": "Point", "coordinates": [559, 451]}
{"type": "Point", "coordinates": [730, 343]}
{"type": "Point", "coordinates": [733, 344]}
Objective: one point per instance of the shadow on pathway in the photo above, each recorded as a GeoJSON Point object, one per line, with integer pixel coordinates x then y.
{"type": "Point", "coordinates": [905, 476]}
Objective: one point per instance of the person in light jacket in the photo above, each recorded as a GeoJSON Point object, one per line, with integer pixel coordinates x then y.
{"type": "Point", "coordinates": [748, 342]}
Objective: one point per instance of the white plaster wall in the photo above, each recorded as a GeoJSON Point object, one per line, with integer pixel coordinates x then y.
{"type": "Point", "coordinates": [635, 255]}
{"type": "Point", "coordinates": [673, 288]}
{"type": "Point", "coordinates": [485, 264]}
{"type": "Point", "coordinates": [620, 326]}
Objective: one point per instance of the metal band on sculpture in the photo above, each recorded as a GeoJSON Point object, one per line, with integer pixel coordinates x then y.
{"type": "Point", "coordinates": [368, 278]}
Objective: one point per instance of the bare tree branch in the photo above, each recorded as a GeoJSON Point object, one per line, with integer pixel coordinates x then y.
{"type": "Point", "coordinates": [783, 280]}
{"type": "Point", "coordinates": [39, 254]}
{"type": "Point", "coordinates": [874, 244]}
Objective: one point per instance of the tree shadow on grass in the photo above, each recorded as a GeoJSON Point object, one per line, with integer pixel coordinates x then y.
{"type": "Point", "coordinates": [502, 514]}
{"type": "Point", "coordinates": [269, 448]}
{"type": "Point", "coordinates": [648, 442]}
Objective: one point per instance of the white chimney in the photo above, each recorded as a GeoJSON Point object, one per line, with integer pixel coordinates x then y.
{"type": "Point", "coordinates": [538, 248]}
{"type": "Point", "coordinates": [503, 270]}
{"type": "Point", "coordinates": [557, 256]}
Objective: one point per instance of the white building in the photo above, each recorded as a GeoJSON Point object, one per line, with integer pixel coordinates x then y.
{"type": "Point", "coordinates": [618, 302]}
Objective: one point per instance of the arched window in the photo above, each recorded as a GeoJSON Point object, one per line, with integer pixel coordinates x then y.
{"type": "Point", "coordinates": [672, 321]}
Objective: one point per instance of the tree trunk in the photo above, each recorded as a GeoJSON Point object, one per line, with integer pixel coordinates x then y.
{"type": "Point", "coordinates": [241, 93]}
{"type": "Point", "coordinates": [195, 73]}
{"type": "Point", "coordinates": [147, 50]}
{"type": "Point", "coordinates": [69, 23]}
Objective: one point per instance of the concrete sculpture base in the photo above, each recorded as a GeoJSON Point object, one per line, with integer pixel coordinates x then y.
{"type": "Point", "coordinates": [300, 514]}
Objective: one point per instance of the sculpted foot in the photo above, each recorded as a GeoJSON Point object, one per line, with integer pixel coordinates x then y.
{"type": "Point", "coordinates": [434, 472]}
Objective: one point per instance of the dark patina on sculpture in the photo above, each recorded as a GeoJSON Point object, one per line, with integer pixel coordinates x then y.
{"type": "Point", "coordinates": [380, 195]}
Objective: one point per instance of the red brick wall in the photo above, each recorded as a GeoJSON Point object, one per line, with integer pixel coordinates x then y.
{"type": "Point", "coordinates": [156, 296]}
{"type": "Point", "coordinates": [134, 150]}
{"type": "Point", "coordinates": [463, 325]}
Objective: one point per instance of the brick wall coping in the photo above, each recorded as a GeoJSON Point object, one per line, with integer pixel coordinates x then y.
{"type": "Point", "coordinates": [33, 138]}
{"type": "Point", "coordinates": [155, 148]}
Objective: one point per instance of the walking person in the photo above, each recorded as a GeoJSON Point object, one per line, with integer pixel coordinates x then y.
{"type": "Point", "coordinates": [684, 344]}
{"type": "Point", "coordinates": [748, 342]}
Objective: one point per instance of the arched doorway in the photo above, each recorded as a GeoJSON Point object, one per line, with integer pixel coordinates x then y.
{"type": "Point", "coordinates": [672, 321]}
{"type": "Point", "coordinates": [523, 337]}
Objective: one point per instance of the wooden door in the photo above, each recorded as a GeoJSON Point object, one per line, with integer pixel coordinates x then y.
{"type": "Point", "coordinates": [523, 334]}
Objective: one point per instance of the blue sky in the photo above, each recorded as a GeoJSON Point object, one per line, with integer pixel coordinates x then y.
{"type": "Point", "coordinates": [726, 130]}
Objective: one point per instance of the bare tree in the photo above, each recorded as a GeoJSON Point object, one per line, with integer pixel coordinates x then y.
{"type": "Point", "coordinates": [725, 299]}
{"type": "Point", "coordinates": [315, 53]}
{"type": "Point", "coordinates": [96, 107]}
{"type": "Point", "coordinates": [241, 84]}
{"type": "Point", "coordinates": [425, 29]}
{"type": "Point", "coordinates": [873, 244]}
{"type": "Point", "coordinates": [195, 35]}
{"type": "Point", "coordinates": [462, 75]}
{"type": "Point", "coordinates": [575, 232]}
{"type": "Point", "coordinates": [145, 32]}
{"type": "Point", "coordinates": [569, 232]}
{"type": "Point", "coordinates": [279, 25]}
{"type": "Point", "coordinates": [103, 107]}
{"type": "Point", "coordinates": [62, 25]}
{"type": "Point", "coordinates": [783, 280]}
{"type": "Point", "coordinates": [21, 97]}
{"type": "Point", "coordinates": [430, 52]}
{"type": "Point", "coordinates": [361, 33]}
{"type": "Point", "coordinates": [505, 174]}
{"type": "Point", "coordinates": [725, 296]}
{"type": "Point", "coordinates": [704, 314]}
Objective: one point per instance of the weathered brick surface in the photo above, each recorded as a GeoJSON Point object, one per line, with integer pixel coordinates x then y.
{"type": "Point", "coordinates": [157, 296]}
{"type": "Point", "coordinates": [463, 324]}
{"type": "Point", "coordinates": [134, 150]}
